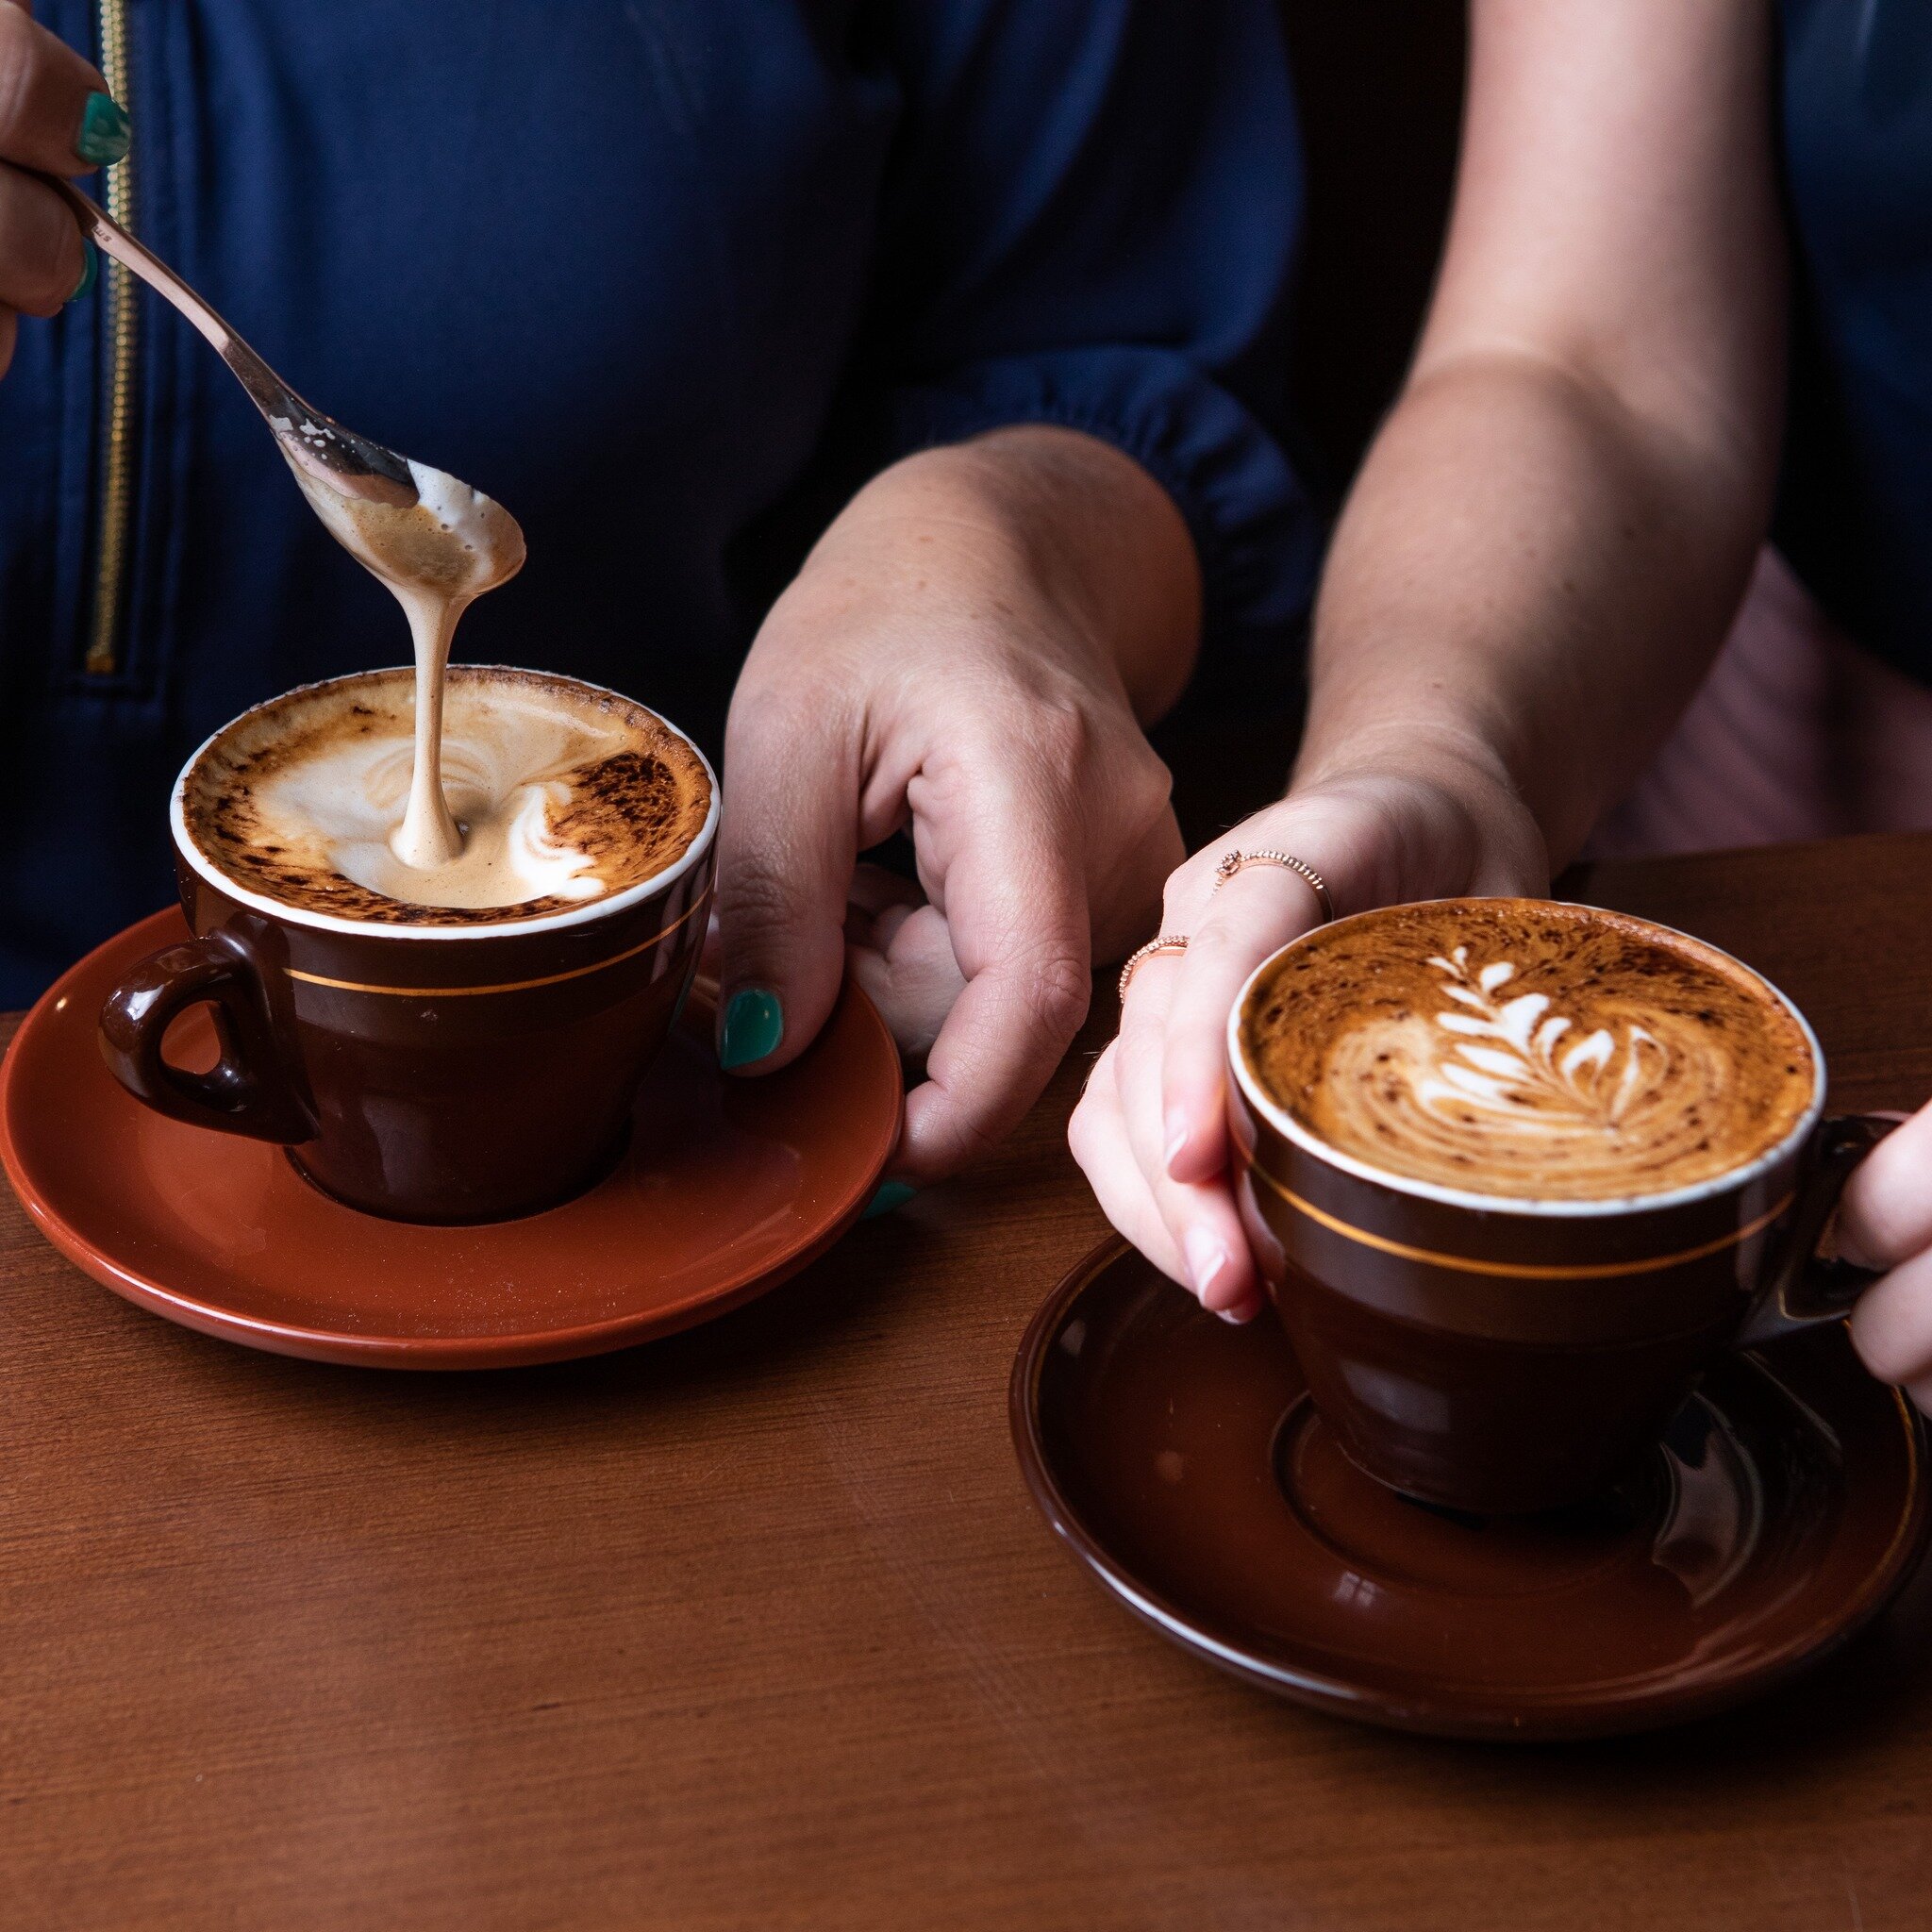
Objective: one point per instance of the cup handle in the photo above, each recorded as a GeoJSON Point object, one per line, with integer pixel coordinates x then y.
{"type": "Point", "coordinates": [1805, 1287]}
{"type": "Point", "coordinates": [249, 1090]}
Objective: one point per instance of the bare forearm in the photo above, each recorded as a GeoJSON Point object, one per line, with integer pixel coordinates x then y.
{"type": "Point", "coordinates": [1528, 578]}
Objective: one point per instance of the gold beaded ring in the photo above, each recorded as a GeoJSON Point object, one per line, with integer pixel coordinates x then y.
{"type": "Point", "coordinates": [1233, 862]}
{"type": "Point", "coordinates": [1167, 942]}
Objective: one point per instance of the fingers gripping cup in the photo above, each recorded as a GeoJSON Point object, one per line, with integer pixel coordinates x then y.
{"type": "Point", "coordinates": [1515, 1171]}
{"type": "Point", "coordinates": [457, 1046]}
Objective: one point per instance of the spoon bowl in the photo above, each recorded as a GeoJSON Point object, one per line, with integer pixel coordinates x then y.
{"type": "Point", "coordinates": [406, 521]}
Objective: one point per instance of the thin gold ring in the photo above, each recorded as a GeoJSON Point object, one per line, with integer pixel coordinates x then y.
{"type": "Point", "coordinates": [1233, 862]}
{"type": "Point", "coordinates": [1167, 942]}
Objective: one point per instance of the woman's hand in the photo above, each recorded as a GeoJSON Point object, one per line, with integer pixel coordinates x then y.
{"type": "Point", "coordinates": [1151, 1130]}
{"type": "Point", "coordinates": [963, 656]}
{"type": "Point", "coordinates": [57, 117]}
{"type": "Point", "coordinates": [1537, 563]}
{"type": "Point", "coordinates": [1885, 1221]}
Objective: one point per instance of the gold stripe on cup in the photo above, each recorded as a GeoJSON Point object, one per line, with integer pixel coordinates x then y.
{"type": "Point", "coordinates": [1523, 1270]}
{"type": "Point", "coordinates": [457, 992]}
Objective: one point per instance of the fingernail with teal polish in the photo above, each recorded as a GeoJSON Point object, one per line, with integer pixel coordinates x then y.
{"type": "Point", "coordinates": [105, 132]}
{"type": "Point", "coordinates": [89, 271]}
{"type": "Point", "coordinates": [892, 1194]}
{"type": "Point", "coordinates": [753, 1025]}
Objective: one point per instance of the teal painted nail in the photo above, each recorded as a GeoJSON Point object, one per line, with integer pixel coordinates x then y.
{"type": "Point", "coordinates": [89, 272]}
{"type": "Point", "coordinates": [753, 1025]}
{"type": "Point", "coordinates": [105, 132]}
{"type": "Point", "coordinates": [892, 1194]}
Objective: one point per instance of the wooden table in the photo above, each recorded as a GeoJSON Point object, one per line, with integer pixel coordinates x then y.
{"type": "Point", "coordinates": [755, 1627]}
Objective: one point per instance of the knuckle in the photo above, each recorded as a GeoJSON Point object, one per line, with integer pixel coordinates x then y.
{"type": "Point", "coordinates": [16, 73]}
{"type": "Point", "coordinates": [1057, 991]}
{"type": "Point", "coordinates": [1081, 1132]}
{"type": "Point", "coordinates": [750, 895]}
{"type": "Point", "coordinates": [1184, 908]}
{"type": "Point", "coordinates": [1244, 928]}
{"type": "Point", "coordinates": [1216, 939]}
{"type": "Point", "coordinates": [1148, 784]}
{"type": "Point", "coordinates": [762, 712]}
{"type": "Point", "coordinates": [42, 250]}
{"type": "Point", "coordinates": [1191, 1074]}
{"type": "Point", "coordinates": [781, 743]}
{"type": "Point", "coordinates": [1062, 734]}
{"type": "Point", "coordinates": [1099, 1084]}
{"type": "Point", "coordinates": [789, 692]}
{"type": "Point", "coordinates": [1888, 1352]}
{"type": "Point", "coordinates": [1190, 885]}
{"type": "Point", "coordinates": [966, 1140]}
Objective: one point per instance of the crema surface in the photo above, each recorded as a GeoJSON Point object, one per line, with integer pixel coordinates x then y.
{"type": "Point", "coordinates": [1523, 1048]}
{"type": "Point", "coordinates": [564, 793]}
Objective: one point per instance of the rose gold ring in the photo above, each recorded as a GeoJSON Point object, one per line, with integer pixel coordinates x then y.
{"type": "Point", "coordinates": [1233, 862]}
{"type": "Point", "coordinates": [1167, 942]}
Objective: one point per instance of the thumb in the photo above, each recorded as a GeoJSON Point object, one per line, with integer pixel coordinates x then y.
{"type": "Point", "coordinates": [787, 845]}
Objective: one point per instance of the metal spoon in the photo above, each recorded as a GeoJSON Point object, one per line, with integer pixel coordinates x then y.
{"type": "Point", "coordinates": [338, 470]}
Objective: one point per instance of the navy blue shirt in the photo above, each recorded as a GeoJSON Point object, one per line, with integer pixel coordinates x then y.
{"type": "Point", "coordinates": [1856, 512]}
{"type": "Point", "coordinates": [669, 277]}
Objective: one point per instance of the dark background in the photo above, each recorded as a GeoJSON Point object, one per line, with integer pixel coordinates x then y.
{"type": "Point", "coordinates": [1380, 90]}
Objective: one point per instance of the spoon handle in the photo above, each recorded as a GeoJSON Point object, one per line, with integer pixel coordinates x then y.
{"type": "Point", "coordinates": [265, 388]}
{"type": "Point", "coordinates": [311, 442]}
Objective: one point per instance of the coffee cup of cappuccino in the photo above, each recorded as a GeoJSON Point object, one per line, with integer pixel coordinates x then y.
{"type": "Point", "coordinates": [451, 1045]}
{"type": "Point", "coordinates": [1516, 1171]}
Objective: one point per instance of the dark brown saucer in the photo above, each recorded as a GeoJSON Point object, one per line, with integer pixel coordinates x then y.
{"type": "Point", "coordinates": [1181, 1462]}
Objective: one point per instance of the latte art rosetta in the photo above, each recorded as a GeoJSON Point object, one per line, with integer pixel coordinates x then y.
{"type": "Point", "coordinates": [1539, 1077]}
{"type": "Point", "coordinates": [1512, 1048]}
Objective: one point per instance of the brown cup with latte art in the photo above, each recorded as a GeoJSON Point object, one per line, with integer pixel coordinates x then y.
{"type": "Point", "coordinates": [1515, 1171]}
{"type": "Point", "coordinates": [457, 1046]}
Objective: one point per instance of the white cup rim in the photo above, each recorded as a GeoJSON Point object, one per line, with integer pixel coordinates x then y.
{"type": "Point", "coordinates": [586, 914]}
{"type": "Point", "coordinates": [1727, 1182]}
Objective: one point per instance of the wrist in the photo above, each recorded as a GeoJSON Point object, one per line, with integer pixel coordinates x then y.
{"type": "Point", "coordinates": [1442, 814]}
{"type": "Point", "coordinates": [1050, 518]}
{"type": "Point", "coordinates": [1457, 758]}
{"type": "Point", "coordinates": [942, 519]}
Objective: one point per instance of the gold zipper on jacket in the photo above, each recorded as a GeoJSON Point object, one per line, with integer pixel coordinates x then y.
{"type": "Point", "coordinates": [117, 461]}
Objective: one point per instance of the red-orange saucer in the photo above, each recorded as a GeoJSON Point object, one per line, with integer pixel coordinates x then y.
{"type": "Point", "coordinates": [727, 1186]}
{"type": "Point", "coordinates": [1181, 1463]}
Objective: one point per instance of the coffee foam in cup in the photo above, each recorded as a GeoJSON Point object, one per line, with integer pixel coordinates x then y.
{"type": "Point", "coordinates": [565, 794]}
{"type": "Point", "coordinates": [1527, 1049]}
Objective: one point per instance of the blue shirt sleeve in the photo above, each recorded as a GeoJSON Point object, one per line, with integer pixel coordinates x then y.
{"type": "Point", "coordinates": [1092, 218]}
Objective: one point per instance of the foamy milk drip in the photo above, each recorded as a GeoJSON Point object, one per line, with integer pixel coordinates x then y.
{"type": "Point", "coordinates": [438, 556]}
{"type": "Point", "coordinates": [1563, 1058]}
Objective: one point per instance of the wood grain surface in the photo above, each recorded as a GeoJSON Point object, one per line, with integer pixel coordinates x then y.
{"type": "Point", "coordinates": [757, 1627]}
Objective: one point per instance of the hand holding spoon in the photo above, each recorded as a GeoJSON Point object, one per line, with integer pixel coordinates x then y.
{"type": "Point", "coordinates": [436, 542]}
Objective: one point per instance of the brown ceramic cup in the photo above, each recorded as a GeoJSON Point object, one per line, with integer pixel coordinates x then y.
{"type": "Point", "coordinates": [1501, 1355]}
{"type": "Point", "coordinates": [435, 1073]}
